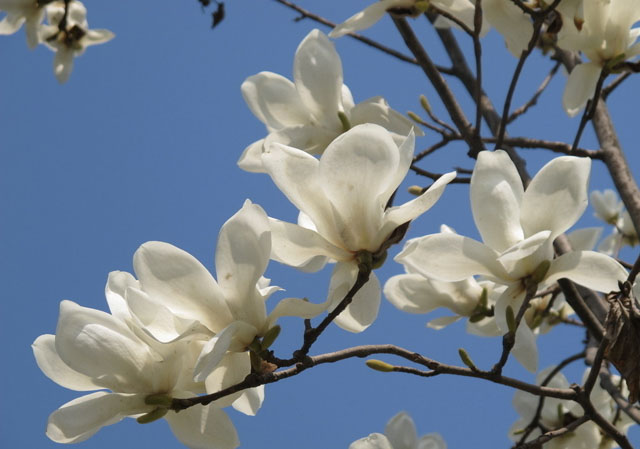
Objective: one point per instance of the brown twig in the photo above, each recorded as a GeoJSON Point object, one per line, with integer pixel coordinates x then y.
{"type": "Point", "coordinates": [534, 99]}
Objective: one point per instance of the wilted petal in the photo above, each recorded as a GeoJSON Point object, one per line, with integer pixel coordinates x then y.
{"type": "Point", "coordinates": [48, 360]}
{"type": "Point", "coordinates": [450, 257]}
{"type": "Point", "coordinates": [410, 210]}
{"type": "Point", "coordinates": [363, 310]}
{"type": "Point", "coordinates": [373, 441]}
{"type": "Point", "coordinates": [401, 432]}
{"type": "Point", "coordinates": [178, 280]}
{"type": "Point", "coordinates": [317, 72]}
{"type": "Point", "coordinates": [274, 100]}
{"type": "Point", "coordinates": [496, 193]}
{"type": "Point", "coordinates": [561, 185]}
{"type": "Point", "coordinates": [581, 86]}
{"type": "Point", "coordinates": [589, 269]}
{"type": "Point", "coordinates": [203, 427]}
{"type": "Point", "coordinates": [301, 247]}
{"type": "Point", "coordinates": [79, 419]}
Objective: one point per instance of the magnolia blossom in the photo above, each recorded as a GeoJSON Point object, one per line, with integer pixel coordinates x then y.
{"type": "Point", "coordinates": [607, 205]}
{"type": "Point", "coordinates": [175, 297]}
{"type": "Point", "coordinates": [342, 198]}
{"type": "Point", "coordinates": [18, 12]}
{"type": "Point", "coordinates": [400, 433]}
{"type": "Point", "coordinates": [72, 41]}
{"type": "Point", "coordinates": [93, 350]}
{"type": "Point", "coordinates": [518, 228]}
{"type": "Point", "coordinates": [315, 108]}
{"type": "Point", "coordinates": [601, 29]}
{"type": "Point", "coordinates": [510, 21]}
{"type": "Point", "coordinates": [623, 234]}
{"type": "Point", "coordinates": [557, 413]}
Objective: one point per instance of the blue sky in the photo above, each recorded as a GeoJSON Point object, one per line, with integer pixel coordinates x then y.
{"type": "Point", "coordinates": [141, 144]}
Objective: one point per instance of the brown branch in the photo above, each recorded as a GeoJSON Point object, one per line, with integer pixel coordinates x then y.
{"type": "Point", "coordinates": [550, 435]}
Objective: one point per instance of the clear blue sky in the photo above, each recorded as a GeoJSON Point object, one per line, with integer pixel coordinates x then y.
{"type": "Point", "coordinates": [141, 144]}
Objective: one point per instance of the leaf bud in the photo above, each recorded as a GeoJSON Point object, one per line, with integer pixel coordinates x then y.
{"type": "Point", "coordinates": [416, 118]}
{"type": "Point", "coordinates": [511, 319]}
{"type": "Point", "coordinates": [416, 190]}
{"type": "Point", "coordinates": [464, 356]}
{"type": "Point", "coordinates": [425, 104]}
{"type": "Point", "coordinates": [346, 124]}
{"type": "Point", "coordinates": [540, 272]}
{"type": "Point", "coordinates": [270, 336]}
{"type": "Point", "coordinates": [379, 365]}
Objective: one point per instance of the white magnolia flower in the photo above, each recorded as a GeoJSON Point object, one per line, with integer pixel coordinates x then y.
{"type": "Point", "coordinates": [601, 29]}
{"type": "Point", "coordinates": [306, 113]}
{"type": "Point", "coordinates": [518, 228]}
{"type": "Point", "coordinates": [607, 205]}
{"type": "Point", "coordinates": [557, 413]}
{"type": "Point", "coordinates": [400, 433]}
{"type": "Point", "coordinates": [93, 350]}
{"type": "Point", "coordinates": [18, 12]}
{"type": "Point", "coordinates": [72, 41]}
{"type": "Point", "coordinates": [175, 297]}
{"type": "Point", "coordinates": [624, 234]}
{"type": "Point", "coordinates": [509, 20]}
{"type": "Point", "coordinates": [342, 199]}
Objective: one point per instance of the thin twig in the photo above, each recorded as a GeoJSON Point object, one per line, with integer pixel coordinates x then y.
{"type": "Point", "coordinates": [550, 435]}
{"type": "Point", "coordinates": [589, 109]}
{"type": "Point", "coordinates": [534, 99]}
{"type": "Point", "coordinates": [606, 91]}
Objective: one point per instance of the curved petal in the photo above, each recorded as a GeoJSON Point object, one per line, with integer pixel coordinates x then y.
{"type": "Point", "coordinates": [511, 22]}
{"type": "Point", "coordinates": [300, 247]}
{"type": "Point", "coordinates": [561, 185]}
{"type": "Point", "coordinates": [367, 17]}
{"type": "Point", "coordinates": [250, 401]}
{"type": "Point", "coordinates": [581, 86]}
{"type": "Point", "coordinates": [401, 432]}
{"type": "Point", "coordinates": [179, 281]}
{"type": "Point", "coordinates": [102, 347]}
{"type": "Point", "coordinates": [317, 73]}
{"type": "Point", "coordinates": [450, 257]}
{"type": "Point", "coordinates": [232, 369]}
{"type": "Point", "coordinates": [251, 158]}
{"type": "Point", "coordinates": [363, 310]}
{"type": "Point", "coordinates": [442, 322]}
{"type": "Point", "coordinates": [11, 23]}
{"type": "Point", "coordinates": [312, 139]}
{"type": "Point", "coordinates": [32, 27]}
{"type": "Point", "coordinates": [274, 100]}
{"type": "Point", "coordinates": [50, 363]}
{"type": "Point", "coordinates": [95, 37]}
{"type": "Point", "coordinates": [398, 215]}
{"type": "Point", "coordinates": [376, 110]}
{"type": "Point", "coordinates": [79, 419]}
{"type": "Point", "coordinates": [203, 427]}
{"type": "Point", "coordinates": [373, 441]}
{"type": "Point", "coordinates": [242, 256]}
{"type": "Point", "coordinates": [431, 441]}
{"type": "Point", "coordinates": [589, 269]}
{"type": "Point", "coordinates": [235, 337]}
{"type": "Point", "coordinates": [525, 349]}
{"type": "Point", "coordinates": [356, 170]}
{"type": "Point", "coordinates": [115, 291]}
{"type": "Point", "coordinates": [63, 65]}
{"type": "Point", "coordinates": [496, 194]}
{"type": "Point", "coordinates": [584, 239]}
{"type": "Point", "coordinates": [296, 307]}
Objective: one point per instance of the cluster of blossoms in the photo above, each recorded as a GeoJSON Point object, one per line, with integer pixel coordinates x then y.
{"type": "Point", "coordinates": [66, 31]}
{"type": "Point", "coordinates": [174, 331]}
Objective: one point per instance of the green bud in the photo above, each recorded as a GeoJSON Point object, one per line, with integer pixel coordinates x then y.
{"type": "Point", "coordinates": [425, 104]}
{"type": "Point", "coordinates": [422, 5]}
{"type": "Point", "coordinates": [464, 356]}
{"type": "Point", "coordinates": [161, 399]}
{"type": "Point", "coordinates": [416, 118]}
{"type": "Point", "coordinates": [256, 361]}
{"type": "Point", "coordinates": [270, 336]}
{"type": "Point", "coordinates": [379, 259]}
{"type": "Point", "coordinates": [153, 415]}
{"type": "Point", "coordinates": [511, 319]}
{"type": "Point", "coordinates": [540, 272]}
{"type": "Point", "coordinates": [560, 414]}
{"type": "Point", "coordinates": [483, 302]}
{"type": "Point", "coordinates": [537, 321]}
{"type": "Point", "coordinates": [346, 124]}
{"type": "Point", "coordinates": [518, 432]}
{"type": "Point", "coordinates": [416, 190]}
{"type": "Point", "coordinates": [477, 317]}
{"type": "Point", "coordinates": [365, 258]}
{"type": "Point", "coordinates": [379, 365]}
{"type": "Point", "coordinates": [255, 345]}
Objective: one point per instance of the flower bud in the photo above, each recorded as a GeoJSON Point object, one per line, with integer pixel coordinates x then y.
{"type": "Point", "coordinates": [425, 104]}
{"type": "Point", "coordinates": [270, 336]}
{"type": "Point", "coordinates": [464, 356]}
{"type": "Point", "coordinates": [511, 319]}
{"type": "Point", "coordinates": [379, 365]}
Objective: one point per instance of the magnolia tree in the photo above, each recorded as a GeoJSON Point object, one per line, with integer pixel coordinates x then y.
{"type": "Point", "coordinates": [182, 343]}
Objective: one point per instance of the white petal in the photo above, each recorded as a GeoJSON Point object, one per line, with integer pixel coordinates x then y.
{"type": "Point", "coordinates": [376, 110]}
{"type": "Point", "coordinates": [242, 255]}
{"type": "Point", "coordinates": [450, 257]}
{"type": "Point", "coordinates": [524, 249]}
{"type": "Point", "coordinates": [201, 427]}
{"type": "Point", "coordinates": [232, 369]}
{"type": "Point", "coordinates": [431, 441]}
{"type": "Point", "coordinates": [367, 17]}
{"type": "Point", "coordinates": [115, 291]}
{"type": "Point", "coordinates": [312, 139]}
{"type": "Point", "coordinates": [178, 280]}
{"type": "Point", "coordinates": [589, 269]}
{"type": "Point", "coordinates": [580, 87]}
{"type": "Point", "coordinates": [79, 419]}
{"type": "Point", "coordinates": [317, 73]}
{"type": "Point", "coordinates": [525, 349]}
{"type": "Point", "coordinates": [63, 65]}
{"type": "Point", "coordinates": [11, 23]}
{"type": "Point", "coordinates": [442, 322]}
{"type": "Point", "coordinates": [411, 210]}
{"type": "Point", "coordinates": [48, 360]}
{"type": "Point", "coordinates": [363, 310]}
{"type": "Point", "coordinates": [251, 158]}
{"type": "Point", "coordinates": [584, 239]}
{"type": "Point", "coordinates": [510, 21]}
{"type": "Point", "coordinates": [100, 346]}
{"type": "Point", "coordinates": [401, 432]}
{"type": "Point", "coordinates": [300, 247]}
{"type": "Point", "coordinates": [296, 307]}
{"type": "Point", "coordinates": [496, 193]}
{"type": "Point", "coordinates": [561, 185]}
{"type": "Point", "coordinates": [250, 401]}
{"type": "Point", "coordinates": [234, 337]}
{"type": "Point", "coordinates": [274, 100]}
{"type": "Point", "coordinates": [373, 441]}
{"type": "Point", "coordinates": [95, 37]}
